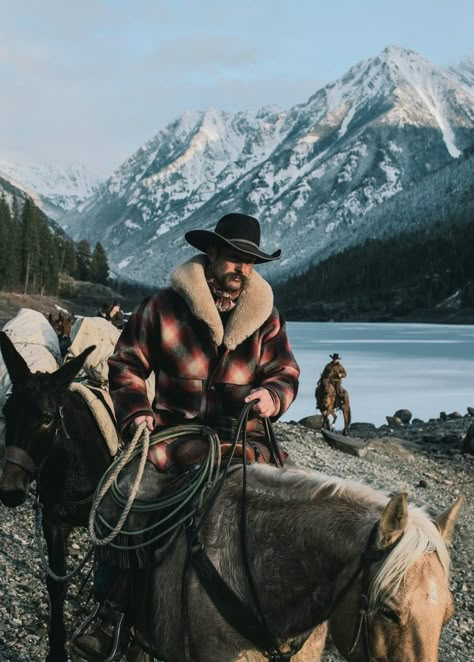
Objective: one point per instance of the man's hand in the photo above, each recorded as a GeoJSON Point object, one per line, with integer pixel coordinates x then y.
{"type": "Point", "coordinates": [265, 405]}
{"type": "Point", "coordinates": [150, 423]}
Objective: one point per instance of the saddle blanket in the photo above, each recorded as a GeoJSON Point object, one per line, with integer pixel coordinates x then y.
{"type": "Point", "coordinates": [102, 412]}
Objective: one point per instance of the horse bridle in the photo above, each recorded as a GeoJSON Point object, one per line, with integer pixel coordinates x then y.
{"type": "Point", "coordinates": [369, 556]}
{"type": "Point", "coordinates": [20, 457]}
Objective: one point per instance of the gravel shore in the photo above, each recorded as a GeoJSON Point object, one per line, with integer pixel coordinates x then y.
{"type": "Point", "coordinates": [431, 469]}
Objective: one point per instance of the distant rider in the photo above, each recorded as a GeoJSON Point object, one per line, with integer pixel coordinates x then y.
{"type": "Point", "coordinates": [335, 372]}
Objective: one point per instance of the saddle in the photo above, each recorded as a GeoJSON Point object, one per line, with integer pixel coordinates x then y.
{"type": "Point", "coordinates": [185, 452]}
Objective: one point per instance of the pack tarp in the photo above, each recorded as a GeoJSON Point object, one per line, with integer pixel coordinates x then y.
{"type": "Point", "coordinates": [37, 342]}
{"type": "Point", "coordinates": [87, 331]}
{"type": "Point", "coordinates": [97, 331]}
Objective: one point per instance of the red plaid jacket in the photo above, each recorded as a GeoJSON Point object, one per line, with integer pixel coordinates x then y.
{"type": "Point", "coordinates": [203, 371]}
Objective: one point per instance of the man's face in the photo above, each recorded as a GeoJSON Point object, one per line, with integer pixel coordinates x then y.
{"type": "Point", "coordinates": [230, 268]}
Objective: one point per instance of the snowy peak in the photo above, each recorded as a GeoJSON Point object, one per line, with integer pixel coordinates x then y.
{"type": "Point", "coordinates": [397, 88]}
{"type": "Point", "coordinates": [311, 174]}
{"type": "Point", "coordinates": [56, 189]}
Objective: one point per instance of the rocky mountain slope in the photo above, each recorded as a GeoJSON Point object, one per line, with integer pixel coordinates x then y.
{"type": "Point", "coordinates": [311, 173]}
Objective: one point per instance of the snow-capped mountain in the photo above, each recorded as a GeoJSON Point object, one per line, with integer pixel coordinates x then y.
{"type": "Point", "coordinates": [55, 190]}
{"type": "Point", "coordinates": [310, 174]}
{"type": "Point", "coordinates": [465, 70]}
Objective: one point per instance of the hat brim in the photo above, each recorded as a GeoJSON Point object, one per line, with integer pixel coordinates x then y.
{"type": "Point", "coordinates": [201, 239]}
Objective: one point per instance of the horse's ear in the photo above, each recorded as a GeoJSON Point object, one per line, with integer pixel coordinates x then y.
{"type": "Point", "coordinates": [16, 364]}
{"type": "Point", "coordinates": [446, 521]}
{"type": "Point", "coordinates": [393, 522]}
{"type": "Point", "coordinates": [66, 373]}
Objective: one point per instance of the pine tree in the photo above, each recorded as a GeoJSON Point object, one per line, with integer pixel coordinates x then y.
{"type": "Point", "coordinates": [84, 259]}
{"type": "Point", "coordinates": [100, 265]}
{"type": "Point", "coordinates": [29, 245]}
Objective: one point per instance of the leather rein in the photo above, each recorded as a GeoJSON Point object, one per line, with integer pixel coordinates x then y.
{"type": "Point", "coordinates": [250, 623]}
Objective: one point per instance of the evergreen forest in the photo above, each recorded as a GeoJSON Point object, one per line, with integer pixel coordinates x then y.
{"type": "Point", "coordinates": [418, 269]}
{"type": "Point", "coordinates": [33, 254]}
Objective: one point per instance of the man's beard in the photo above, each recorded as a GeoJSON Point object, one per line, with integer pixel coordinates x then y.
{"type": "Point", "coordinates": [231, 282]}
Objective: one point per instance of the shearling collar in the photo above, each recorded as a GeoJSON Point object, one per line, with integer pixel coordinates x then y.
{"type": "Point", "coordinates": [254, 305]}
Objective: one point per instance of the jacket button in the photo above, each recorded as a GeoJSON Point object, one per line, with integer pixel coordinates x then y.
{"type": "Point", "coordinates": [212, 388]}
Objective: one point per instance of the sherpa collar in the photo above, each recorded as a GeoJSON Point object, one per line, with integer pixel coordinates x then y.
{"type": "Point", "coordinates": [254, 305]}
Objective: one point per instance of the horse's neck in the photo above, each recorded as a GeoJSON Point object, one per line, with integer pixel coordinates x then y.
{"type": "Point", "coordinates": [78, 456]}
{"type": "Point", "coordinates": [298, 548]}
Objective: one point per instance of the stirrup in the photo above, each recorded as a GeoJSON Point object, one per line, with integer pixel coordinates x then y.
{"type": "Point", "coordinates": [83, 626]}
{"type": "Point", "coordinates": [80, 630]}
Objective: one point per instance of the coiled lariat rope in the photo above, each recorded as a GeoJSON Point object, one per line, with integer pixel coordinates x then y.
{"type": "Point", "coordinates": [200, 482]}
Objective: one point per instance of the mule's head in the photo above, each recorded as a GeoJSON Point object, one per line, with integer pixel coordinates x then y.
{"type": "Point", "coordinates": [409, 601]}
{"type": "Point", "coordinates": [32, 416]}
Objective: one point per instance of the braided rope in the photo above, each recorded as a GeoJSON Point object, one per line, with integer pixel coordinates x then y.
{"type": "Point", "coordinates": [141, 432]}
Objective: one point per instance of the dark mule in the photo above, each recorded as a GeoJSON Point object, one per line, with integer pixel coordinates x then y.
{"type": "Point", "coordinates": [51, 437]}
{"type": "Point", "coordinates": [328, 401]}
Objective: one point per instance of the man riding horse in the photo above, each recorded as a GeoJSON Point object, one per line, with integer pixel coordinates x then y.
{"type": "Point", "coordinates": [214, 341]}
{"type": "Point", "coordinates": [334, 371]}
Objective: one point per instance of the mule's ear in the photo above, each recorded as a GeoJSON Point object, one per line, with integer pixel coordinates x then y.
{"type": "Point", "coordinates": [446, 521]}
{"type": "Point", "coordinates": [393, 521]}
{"type": "Point", "coordinates": [66, 373]}
{"type": "Point", "coordinates": [16, 364]}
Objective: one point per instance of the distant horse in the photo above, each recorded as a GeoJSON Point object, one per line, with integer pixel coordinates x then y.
{"type": "Point", "coordinates": [51, 437]}
{"type": "Point", "coordinates": [318, 549]}
{"type": "Point", "coordinates": [328, 401]}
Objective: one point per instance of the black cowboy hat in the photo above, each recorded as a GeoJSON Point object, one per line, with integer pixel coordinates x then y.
{"type": "Point", "coordinates": [334, 357]}
{"type": "Point", "coordinates": [237, 231]}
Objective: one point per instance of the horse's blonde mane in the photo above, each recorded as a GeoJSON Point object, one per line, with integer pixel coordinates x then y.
{"type": "Point", "coordinates": [421, 535]}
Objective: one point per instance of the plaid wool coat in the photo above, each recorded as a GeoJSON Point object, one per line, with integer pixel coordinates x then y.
{"type": "Point", "coordinates": [203, 370]}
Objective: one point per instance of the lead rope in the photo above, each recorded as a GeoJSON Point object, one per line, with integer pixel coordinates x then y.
{"type": "Point", "coordinates": [142, 431]}
{"type": "Point", "coordinates": [39, 543]}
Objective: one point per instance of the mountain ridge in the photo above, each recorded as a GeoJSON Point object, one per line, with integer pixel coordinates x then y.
{"type": "Point", "coordinates": [312, 174]}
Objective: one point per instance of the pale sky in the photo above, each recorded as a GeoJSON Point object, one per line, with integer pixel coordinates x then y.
{"type": "Point", "coordinates": [90, 81]}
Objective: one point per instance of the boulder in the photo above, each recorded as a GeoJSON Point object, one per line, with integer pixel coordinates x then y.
{"type": "Point", "coordinates": [404, 415]}
{"type": "Point", "coordinates": [349, 445]}
{"type": "Point", "coordinates": [454, 414]}
{"type": "Point", "coordinates": [417, 421]}
{"type": "Point", "coordinates": [362, 426]}
{"type": "Point", "coordinates": [394, 421]}
{"type": "Point", "coordinates": [468, 442]}
{"type": "Point", "coordinates": [315, 422]}
{"type": "Point", "coordinates": [470, 411]}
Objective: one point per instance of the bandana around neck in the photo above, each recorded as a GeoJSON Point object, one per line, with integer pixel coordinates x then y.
{"type": "Point", "coordinates": [224, 301]}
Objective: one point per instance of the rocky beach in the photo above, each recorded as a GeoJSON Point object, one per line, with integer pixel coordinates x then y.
{"type": "Point", "coordinates": [432, 461]}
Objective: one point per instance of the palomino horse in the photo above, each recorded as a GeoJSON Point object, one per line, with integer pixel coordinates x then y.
{"type": "Point", "coordinates": [318, 549]}
{"type": "Point", "coordinates": [51, 437]}
{"type": "Point", "coordinates": [327, 401]}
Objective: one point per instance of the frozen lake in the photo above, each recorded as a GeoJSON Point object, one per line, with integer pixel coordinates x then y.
{"type": "Point", "coordinates": [426, 368]}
